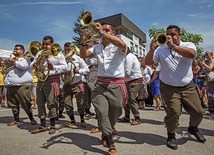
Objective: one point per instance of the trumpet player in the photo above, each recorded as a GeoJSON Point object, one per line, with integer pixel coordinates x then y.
{"type": "Point", "coordinates": [18, 83]}
{"type": "Point", "coordinates": [176, 86]}
{"type": "Point", "coordinates": [48, 90]}
{"type": "Point", "coordinates": [108, 94]}
{"type": "Point", "coordinates": [74, 86]}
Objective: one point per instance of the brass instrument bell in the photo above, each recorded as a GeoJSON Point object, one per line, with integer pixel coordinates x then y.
{"type": "Point", "coordinates": [42, 62]}
{"type": "Point", "coordinates": [56, 50]}
{"type": "Point", "coordinates": [88, 25]}
{"type": "Point", "coordinates": [161, 39]}
{"type": "Point", "coordinates": [34, 47]}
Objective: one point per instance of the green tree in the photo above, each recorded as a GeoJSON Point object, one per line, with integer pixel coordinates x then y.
{"type": "Point", "coordinates": [185, 37]}
{"type": "Point", "coordinates": [76, 29]}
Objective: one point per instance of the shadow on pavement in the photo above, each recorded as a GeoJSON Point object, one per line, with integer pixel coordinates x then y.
{"type": "Point", "coordinates": [82, 141]}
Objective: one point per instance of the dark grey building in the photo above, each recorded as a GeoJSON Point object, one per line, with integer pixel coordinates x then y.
{"type": "Point", "coordinates": [128, 31]}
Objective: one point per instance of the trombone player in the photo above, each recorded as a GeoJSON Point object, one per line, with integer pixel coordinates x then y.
{"type": "Point", "coordinates": [48, 88]}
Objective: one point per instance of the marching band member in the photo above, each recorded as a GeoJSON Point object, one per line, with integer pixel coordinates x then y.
{"type": "Point", "coordinates": [134, 81]}
{"type": "Point", "coordinates": [61, 105]}
{"type": "Point", "coordinates": [48, 90]}
{"type": "Point", "coordinates": [74, 86]}
{"type": "Point", "coordinates": [92, 63]}
{"type": "Point", "coordinates": [18, 84]}
{"type": "Point", "coordinates": [107, 96]}
{"type": "Point", "coordinates": [176, 86]}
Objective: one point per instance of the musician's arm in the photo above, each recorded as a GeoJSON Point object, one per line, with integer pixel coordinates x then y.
{"type": "Point", "coordinates": [83, 69]}
{"type": "Point", "coordinates": [61, 66]}
{"type": "Point", "coordinates": [84, 52]}
{"type": "Point", "coordinates": [23, 64]}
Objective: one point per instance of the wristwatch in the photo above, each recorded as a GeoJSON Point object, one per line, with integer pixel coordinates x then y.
{"type": "Point", "coordinates": [173, 46]}
{"type": "Point", "coordinates": [81, 44]}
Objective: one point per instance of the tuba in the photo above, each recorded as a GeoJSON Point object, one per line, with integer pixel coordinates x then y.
{"type": "Point", "coordinates": [88, 25]}
{"type": "Point", "coordinates": [42, 72]}
{"type": "Point", "coordinates": [66, 76]}
{"type": "Point", "coordinates": [161, 39]}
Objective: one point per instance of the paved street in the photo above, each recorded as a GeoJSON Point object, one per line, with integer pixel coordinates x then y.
{"type": "Point", "coordinates": [148, 138]}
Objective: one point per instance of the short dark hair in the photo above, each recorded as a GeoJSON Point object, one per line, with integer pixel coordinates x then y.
{"type": "Point", "coordinates": [67, 44]}
{"type": "Point", "coordinates": [48, 38]}
{"type": "Point", "coordinates": [108, 23]}
{"type": "Point", "coordinates": [21, 47]}
{"type": "Point", "coordinates": [173, 27]}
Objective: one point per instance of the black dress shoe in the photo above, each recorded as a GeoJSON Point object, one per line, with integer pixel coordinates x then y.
{"type": "Point", "coordinates": [194, 131]}
{"type": "Point", "coordinates": [171, 143]}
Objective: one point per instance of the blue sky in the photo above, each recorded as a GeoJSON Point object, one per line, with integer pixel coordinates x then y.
{"type": "Point", "coordinates": [22, 21]}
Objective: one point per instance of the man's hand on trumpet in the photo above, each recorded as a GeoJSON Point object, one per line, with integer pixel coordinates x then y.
{"type": "Point", "coordinates": [84, 37]}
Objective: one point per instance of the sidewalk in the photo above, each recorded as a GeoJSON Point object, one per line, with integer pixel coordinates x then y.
{"type": "Point", "coordinates": [148, 138]}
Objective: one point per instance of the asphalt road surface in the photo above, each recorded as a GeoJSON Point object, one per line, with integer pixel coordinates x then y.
{"type": "Point", "coordinates": [148, 138]}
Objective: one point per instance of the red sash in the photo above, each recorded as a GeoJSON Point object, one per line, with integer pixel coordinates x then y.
{"type": "Point", "coordinates": [56, 81]}
{"type": "Point", "coordinates": [120, 81]}
{"type": "Point", "coordinates": [80, 84]}
{"type": "Point", "coordinates": [111, 80]}
{"type": "Point", "coordinates": [139, 80]}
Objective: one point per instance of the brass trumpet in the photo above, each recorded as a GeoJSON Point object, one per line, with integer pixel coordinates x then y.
{"type": "Point", "coordinates": [92, 41]}
{"type": "Point", "coordinates": [88, 25]}
{"type": "Point", "coordinates": [161, 39]}
{"type": "Point", "coordinates": [43, 72]}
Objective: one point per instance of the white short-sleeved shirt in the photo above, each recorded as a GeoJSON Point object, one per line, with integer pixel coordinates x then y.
{"type": "Point", "coordinates": [110, 60]}
{"type": "Point", "coordinates": [176, 70]}
{"type": "Point", "coordinates": [132, 68]}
